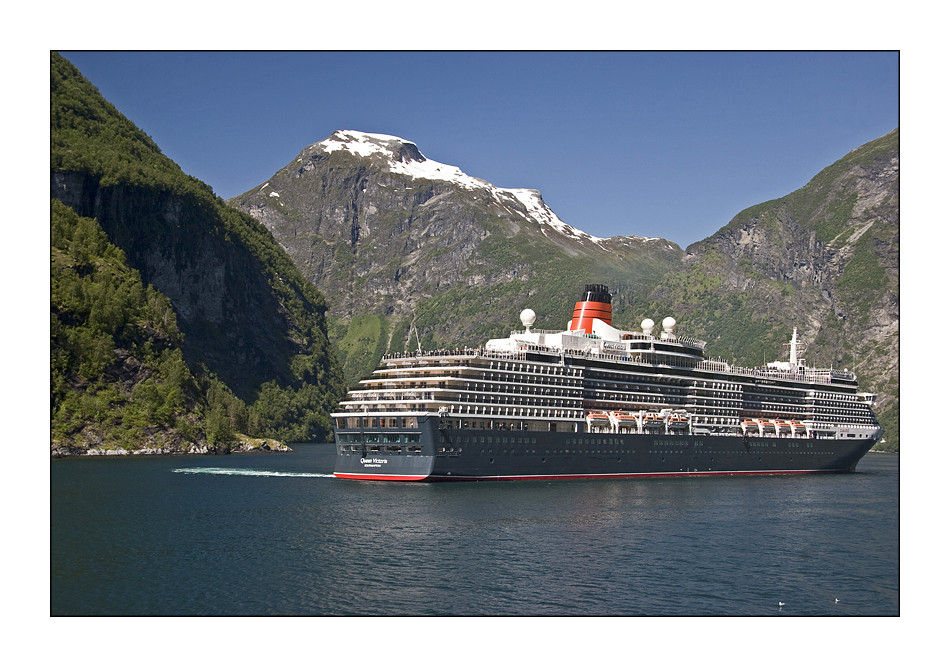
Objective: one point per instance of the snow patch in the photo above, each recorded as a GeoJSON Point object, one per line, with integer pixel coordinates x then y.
{"type": "Point", "coordinates": [539, 211]}
{"type": "Point", "coordinates": [366, 144]}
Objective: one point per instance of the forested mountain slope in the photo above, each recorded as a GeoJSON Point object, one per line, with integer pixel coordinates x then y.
{"type": "Point", "coordinates": [247, 321]}
{"type": "Point", "coordinates": [824, 258]}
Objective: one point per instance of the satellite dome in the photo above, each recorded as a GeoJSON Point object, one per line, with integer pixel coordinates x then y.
{"type": "Point", "coordinates": [668, 323]}
{"type": "Point", "coordinates": [528, 317]}
{"type": "Point", "coordinates": [647, 326]}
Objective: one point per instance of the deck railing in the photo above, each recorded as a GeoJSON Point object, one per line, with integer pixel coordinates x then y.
{"type": "Point", "coordinates": [808, 375]}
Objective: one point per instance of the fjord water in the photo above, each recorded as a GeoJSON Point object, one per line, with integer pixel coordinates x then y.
{"type": "Point", "coordinates": [279, 535]}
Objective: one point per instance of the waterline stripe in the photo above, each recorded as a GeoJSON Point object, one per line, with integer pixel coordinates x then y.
{"type": "Point", "coordinates": [247, 473]}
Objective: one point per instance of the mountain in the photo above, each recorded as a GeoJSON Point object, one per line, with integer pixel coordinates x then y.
{"type": "Point", "coordinates": [411, 252]}
{"type": "Point", "coordinates": [250, 330]}
{"type": "Point", "coordinates": [825, 258]}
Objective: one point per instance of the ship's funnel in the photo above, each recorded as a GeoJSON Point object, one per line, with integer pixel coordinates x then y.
{"type": "Point", "coordinates": [596, 305]}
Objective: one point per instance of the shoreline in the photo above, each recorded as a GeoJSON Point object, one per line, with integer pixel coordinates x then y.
{"type": "Point", "coordinates": [243, 445]}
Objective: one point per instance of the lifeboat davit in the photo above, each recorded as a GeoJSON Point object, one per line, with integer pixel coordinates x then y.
{"type": "Point", "coordinates": [623, 421]}
{"type": "Point", "coordinates": [597, 419]}
{"type": "Point", "coordinates": [753, 425]}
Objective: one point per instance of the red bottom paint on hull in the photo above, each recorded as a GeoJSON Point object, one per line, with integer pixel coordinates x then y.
{"type": "Point", "coordinates": [382, 478]}
{"type": "Point", "coordinates": [552, 478]}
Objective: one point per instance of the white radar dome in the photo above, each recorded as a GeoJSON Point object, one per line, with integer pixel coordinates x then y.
{"type": "Point", "coordinates": [647, 326]}
{"type": "Point", "coordinates": [668, 323]}
{"type": "Point", "coordinates": [528, 317]}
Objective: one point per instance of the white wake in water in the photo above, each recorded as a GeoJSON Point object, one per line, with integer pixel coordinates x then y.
{"type": "Point", "coordinates": [248, 473]}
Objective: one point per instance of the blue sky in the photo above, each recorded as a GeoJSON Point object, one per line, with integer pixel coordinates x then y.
{"type": "Point", "coordinates": [669, 144]}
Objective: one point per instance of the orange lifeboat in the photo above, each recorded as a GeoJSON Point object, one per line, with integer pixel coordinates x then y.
{"type": "Point", "coordinates": [624, 421]}
{"type": "Point", "coordinates": [678, 422]}
{"type": "Point", "coordinates": [598, 417]}
{"type": "Point", "coordinates": [652, 420]}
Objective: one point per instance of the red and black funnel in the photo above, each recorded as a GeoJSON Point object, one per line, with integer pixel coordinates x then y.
{"type": "Point", "coordinates": [596, 305]}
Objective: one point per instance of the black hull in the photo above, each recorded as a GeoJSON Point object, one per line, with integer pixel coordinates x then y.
{"type": "Point", "coordinates": [480, 455]}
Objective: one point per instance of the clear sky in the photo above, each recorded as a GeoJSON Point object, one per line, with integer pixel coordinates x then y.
{"type": "Point", "coordinates": [669, 144]}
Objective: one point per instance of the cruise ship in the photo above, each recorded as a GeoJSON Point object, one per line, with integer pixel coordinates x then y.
{"type": "Point", "coordinates": [594, 401]}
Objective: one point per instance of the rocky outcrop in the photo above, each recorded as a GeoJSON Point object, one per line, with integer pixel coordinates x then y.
{"type": "Point", "coordinates": [244, 445]}
{"type": "Point", "coordinates": [233, 321]}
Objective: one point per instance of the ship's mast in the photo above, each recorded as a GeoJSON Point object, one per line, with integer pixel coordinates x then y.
{"type": "Point", "coordinates": [794, 348]}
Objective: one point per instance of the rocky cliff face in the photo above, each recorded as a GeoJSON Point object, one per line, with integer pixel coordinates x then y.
{"type": "Point", "coordinates": [837, 238]}
{"type": "Point", "coordinates": [825, 259]}
{"type": "Point", "coordinates": [233, 321]}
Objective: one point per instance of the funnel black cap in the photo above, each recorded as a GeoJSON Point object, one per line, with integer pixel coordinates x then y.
{"type": "Point", "coordinates": [598, 293]}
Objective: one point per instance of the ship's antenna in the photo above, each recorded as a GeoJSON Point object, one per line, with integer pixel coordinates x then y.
{"type": "Point", "coordinates": [794, 348]}
{"type": "Point", "coordinates": [412, 329]}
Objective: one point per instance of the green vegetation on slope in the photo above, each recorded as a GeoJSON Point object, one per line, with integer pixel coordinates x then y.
{"type": "Point", "coordinates": [281, 362]}
{"type": "Point", "coordinates": [117, 377]}
{"type": "Point", "coordinates": [823, 258]}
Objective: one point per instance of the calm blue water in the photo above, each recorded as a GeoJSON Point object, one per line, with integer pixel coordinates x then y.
{"type": "Point", "coordinates": [278, 535]}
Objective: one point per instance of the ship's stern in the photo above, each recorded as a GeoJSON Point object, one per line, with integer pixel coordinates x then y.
{"type": "Point", "coordinates": [381, 447]}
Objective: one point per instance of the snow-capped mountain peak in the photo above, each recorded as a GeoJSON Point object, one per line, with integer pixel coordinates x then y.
{"type": "Point", "coordinates": [404, 157]}
{"type": "Point", "coordinates": [360, 143]}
